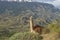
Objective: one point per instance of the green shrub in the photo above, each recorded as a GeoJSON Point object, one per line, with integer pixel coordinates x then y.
{"type": "Point", "coordinates": [54, 27]}
{"type": "Point", "coordinates": [25, 36]}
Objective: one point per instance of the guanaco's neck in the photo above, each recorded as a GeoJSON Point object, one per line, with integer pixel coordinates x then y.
{"type": "Point", "coordinates": [31, 24]}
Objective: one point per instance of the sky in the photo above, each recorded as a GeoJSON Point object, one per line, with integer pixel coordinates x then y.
{"type": "Point", "coordinates": [54, 2]}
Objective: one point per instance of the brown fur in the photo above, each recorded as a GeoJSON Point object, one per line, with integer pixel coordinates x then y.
{"type": "Point", "coordinates": [38, 29]}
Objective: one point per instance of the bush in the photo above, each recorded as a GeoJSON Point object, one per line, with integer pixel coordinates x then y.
{"type": "Point", "coordinates": [25, 36]}
{"type": "Point", "coordinates": [54, 27]}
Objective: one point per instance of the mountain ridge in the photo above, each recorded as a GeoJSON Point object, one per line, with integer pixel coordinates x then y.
{"type": "Point", "coordinates": [36, 9]}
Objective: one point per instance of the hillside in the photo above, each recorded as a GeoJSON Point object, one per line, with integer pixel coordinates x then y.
{"type": "Point", "coordinates": [24, 10]}
{"type": "Point", "coordinates": [14, 16]}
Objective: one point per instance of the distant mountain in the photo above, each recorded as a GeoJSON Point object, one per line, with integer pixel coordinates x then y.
{"type": "Point", "coordinates": [26, 9]}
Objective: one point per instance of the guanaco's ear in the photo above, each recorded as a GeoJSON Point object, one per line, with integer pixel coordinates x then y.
{"type": "Point", "coordinates": [30, 17]}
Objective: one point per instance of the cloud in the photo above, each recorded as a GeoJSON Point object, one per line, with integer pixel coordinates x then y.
{"type": "Point", "coordinates": [43, 0]}
{"type": "Point", "coordinates": [55, 2]}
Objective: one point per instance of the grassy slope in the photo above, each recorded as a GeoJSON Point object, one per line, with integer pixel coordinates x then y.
{"type": "Point", "coordinates": [25, 36]}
